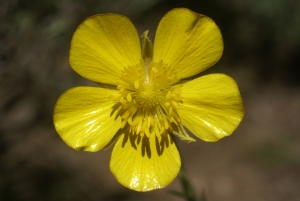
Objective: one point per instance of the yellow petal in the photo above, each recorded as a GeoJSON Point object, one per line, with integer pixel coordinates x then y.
{"type": "Point", "coordinates": [102, 46]}
{"type": "Point", "coordinates": [212, 106]}
{"type": "Point", "coordinates": [82, 118]}
{"type": "Point", "coordinates": [187, 42]}
{"type": "Point", "coordinates": [142, 173]}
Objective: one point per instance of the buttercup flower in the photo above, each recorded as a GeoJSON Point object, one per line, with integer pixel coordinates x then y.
{"type": "Point", "coordinates": [148, 98]}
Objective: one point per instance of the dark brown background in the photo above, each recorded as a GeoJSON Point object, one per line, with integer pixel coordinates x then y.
{"type": "Point", "coordinates": [260, 161]}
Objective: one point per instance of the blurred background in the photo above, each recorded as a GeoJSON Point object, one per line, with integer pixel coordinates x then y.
{"type": "Point", "coordinates": [260, 161]}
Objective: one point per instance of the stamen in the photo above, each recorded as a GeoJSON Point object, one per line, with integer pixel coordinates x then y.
{"type": "Point", "coordinates": [168, 96]}
{"type": "Point", "coordinates": [123, 101]}
{"type": "Point", "coordinates": [136, 84]}
{"type": "Point", "coordinates": [129, 98]}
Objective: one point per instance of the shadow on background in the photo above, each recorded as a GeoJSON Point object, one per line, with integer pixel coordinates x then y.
{"type": "Point", "coordinates": [260, 161]}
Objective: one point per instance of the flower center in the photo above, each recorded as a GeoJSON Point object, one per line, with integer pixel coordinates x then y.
{"type": "Point", "coordinates": [147, 103]}
{"type": "Point", "coordinates": [148, 97]}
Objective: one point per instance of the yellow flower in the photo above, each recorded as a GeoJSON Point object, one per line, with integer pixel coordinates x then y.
{"type": "Point", "coordinates": [148, 101]}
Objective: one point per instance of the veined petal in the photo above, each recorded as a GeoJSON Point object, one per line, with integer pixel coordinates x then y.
{"type": "Point", "coordinates": [187, 42]}
{"type": "Point", "coordinates": [212, 106]}
{"type": "Point", "coordinates": [142, 173]}
{"type": "Point", "coordinates": [103, 45]}
{"type": "Point", "coordinates": [82, 118]}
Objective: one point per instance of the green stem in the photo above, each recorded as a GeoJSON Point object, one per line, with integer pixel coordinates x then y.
{"type": "Point", "coordinates": [188, 190]}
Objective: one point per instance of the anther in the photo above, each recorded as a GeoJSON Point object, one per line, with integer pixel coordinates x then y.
{"type": "Point", "coordinates": [168, 96]}
{"type": "Point", "coordinates": [123, 101]}
{"type": "Point", "coordinates": [129, 98]}
{"type": "Point", "coordinates": [136, 84]}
